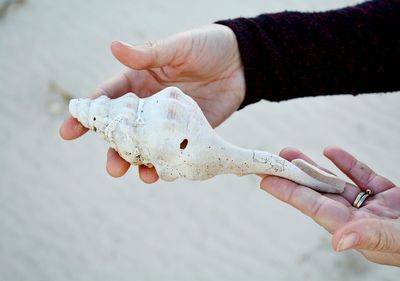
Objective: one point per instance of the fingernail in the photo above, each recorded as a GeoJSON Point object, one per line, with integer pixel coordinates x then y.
{"type": "Point", "coordinates": [117, 42]}
{"type": "Point", "coordinates": [348, 241]}
{"type": "Point", "coordinates": [125, 44]}
{"type": "Point", "coordinates": [79, 127]}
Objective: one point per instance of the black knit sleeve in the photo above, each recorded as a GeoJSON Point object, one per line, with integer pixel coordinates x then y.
{"type": "Point", "coordinates": [347, 51]}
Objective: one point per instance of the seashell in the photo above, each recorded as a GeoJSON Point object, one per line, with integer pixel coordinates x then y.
{"type": "Point", "coordinates": [169, 131]}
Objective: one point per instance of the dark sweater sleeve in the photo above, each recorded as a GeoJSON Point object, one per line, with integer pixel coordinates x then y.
{"type": "Point", "coordinates": [347, 51]}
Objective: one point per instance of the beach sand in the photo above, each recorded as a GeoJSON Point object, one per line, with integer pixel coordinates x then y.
{"type": "Point", "coordinates": [63, 218]}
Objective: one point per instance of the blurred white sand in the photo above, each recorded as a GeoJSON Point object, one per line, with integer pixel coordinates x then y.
{"type": "Point", "coordinates": [63, 218]}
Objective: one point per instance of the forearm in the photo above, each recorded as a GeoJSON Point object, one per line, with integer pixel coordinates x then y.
{"type": "Point", "coordinates": [346, 51]}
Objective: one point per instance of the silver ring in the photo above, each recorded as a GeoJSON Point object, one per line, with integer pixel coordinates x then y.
{"type": "Point", "coordinates": [361, 197]}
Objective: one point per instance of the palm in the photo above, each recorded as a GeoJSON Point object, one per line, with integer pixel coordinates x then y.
{"type": "Point", "coordinates": [335, 212]}
{"type": "Point", "coordinates": [377, 206]}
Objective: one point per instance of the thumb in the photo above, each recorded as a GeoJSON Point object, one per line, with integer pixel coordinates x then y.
{"type": "Point", "coordinates": [368, 234]}
{"type": "Point", "coordinates": [150, 55]}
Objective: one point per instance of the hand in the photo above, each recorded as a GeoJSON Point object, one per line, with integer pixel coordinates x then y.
{"type": "Point", "coordinates": [373, 229]}
{"type": "Point", "coordinates": [204, 63]}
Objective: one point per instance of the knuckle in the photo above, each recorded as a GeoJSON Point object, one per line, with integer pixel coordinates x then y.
{"type": "Point", "coordinates": [377, 242]}
{"type": "Point", "coordinates": [353, 166]}
{"type": "Point", "coordinates": [290, 196]}
{"type": "Point", "coordinates": [293, 194]}
{"type": "Point", "coordinates": [150, 43]}
{"type": "Point", "coordinates": [381, 240]}
{"type": "Point", "coordinates": [316, 207]}
{"type": "Point", "coordinates": [369, 176]}
{"type": "Point", "coordinates": [154, 47]}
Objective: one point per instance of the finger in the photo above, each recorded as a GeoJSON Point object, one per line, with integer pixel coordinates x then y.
{"type": "Point", "coordinates": [350, 191]}
{"type": "Point", "coordinates": [150, 55]}
{"type": "Point", "coordinates": [116, 166]}
{"type": "Point", "coordinates": [327, 212]}
{"type": "Point", "coordinates": [113, 87]}
{"type": "Point", "coordinates": [291, 153]}
{"type": "Point", "coordinates": [72, 129]}
{"type": "Point", "coordinates": [148, 175]}
{"type": "Point", "coordinates": [368, 234]}
{"type": "Point", "coordinates": [358, 172]}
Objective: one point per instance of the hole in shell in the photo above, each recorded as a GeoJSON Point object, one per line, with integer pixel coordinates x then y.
{"type": "Point", "coordinates": [184, 144]}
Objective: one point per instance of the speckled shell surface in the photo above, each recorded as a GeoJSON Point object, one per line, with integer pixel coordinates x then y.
{"type": "Point", "coordinates": [169, 131]}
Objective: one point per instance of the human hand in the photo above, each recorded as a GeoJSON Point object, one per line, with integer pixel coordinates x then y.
{"type": "Point", "coordinates": [204, 63]}
{"type": "Point", "coordinates": [373, 229]}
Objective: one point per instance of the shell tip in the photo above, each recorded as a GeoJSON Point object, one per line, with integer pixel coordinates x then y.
{"type": "Point", "coordinates": [73, 107]}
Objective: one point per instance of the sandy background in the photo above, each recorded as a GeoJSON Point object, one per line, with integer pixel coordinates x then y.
{"type": "Point", "coordinates": [63, 218]}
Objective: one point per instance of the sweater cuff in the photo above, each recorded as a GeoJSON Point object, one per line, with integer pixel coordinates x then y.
{"type": "Point", "coordinates": [258, 59]}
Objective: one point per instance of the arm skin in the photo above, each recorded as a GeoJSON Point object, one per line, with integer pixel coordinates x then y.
{"type": "Point", "coordinates": [373, 229]}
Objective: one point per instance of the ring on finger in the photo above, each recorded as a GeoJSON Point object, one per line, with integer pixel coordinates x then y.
{"type": "Point", "coordinates": [361, 197]}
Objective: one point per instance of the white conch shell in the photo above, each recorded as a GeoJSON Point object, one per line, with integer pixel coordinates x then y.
{"type": "Point", "coordinates": [170, 132]}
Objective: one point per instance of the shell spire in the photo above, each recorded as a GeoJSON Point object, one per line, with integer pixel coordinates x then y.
{"type": "Point", "coordinates": [92, 114]}
{"type": "Point", "coordinates": [169, 131]}
{"type": "Point", "coordinates": [79, 109]}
